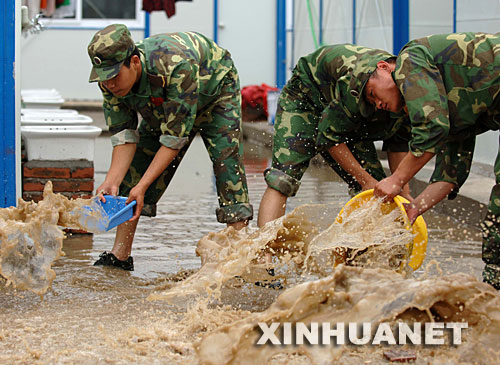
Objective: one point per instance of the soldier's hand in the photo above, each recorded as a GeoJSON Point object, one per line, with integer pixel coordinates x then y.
{"type": "Point", "coordinates": [369, 183]}
{"type": "Point", "coordinates": [405, 193]}
{"type": "Point", "coordinates": [106, 188]}
{"type": "Point", "coordinates": [412, 212]}
{"type": "Point", "coordinates": [388, 188]}
{"type": "Point", "coordinates": [137, 194]}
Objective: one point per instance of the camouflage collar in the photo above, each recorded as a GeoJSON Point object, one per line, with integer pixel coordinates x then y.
{"type": "Point", "coordinates": [144, 88]}
{"type": "Point", "coordinates": [402, 112]}
{"type": "Point", "coordinates": [347, 100]}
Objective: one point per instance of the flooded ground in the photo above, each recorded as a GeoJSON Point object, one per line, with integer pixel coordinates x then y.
{"type": "Point", "coordinates": [95, 314]}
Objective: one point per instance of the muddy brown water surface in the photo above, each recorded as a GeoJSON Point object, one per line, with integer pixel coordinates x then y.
{"type": "Point", "coordinates": [95, 314]}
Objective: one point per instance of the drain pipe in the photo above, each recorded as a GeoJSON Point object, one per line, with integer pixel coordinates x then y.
{"type": "Point", "coordinates": [10, 162]}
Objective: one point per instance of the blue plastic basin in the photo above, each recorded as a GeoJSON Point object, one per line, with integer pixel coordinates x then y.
{"type": "Point", "coordinates": [114, 212]}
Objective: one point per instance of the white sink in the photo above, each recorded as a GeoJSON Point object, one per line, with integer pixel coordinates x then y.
{"type": "Point", "coordinates": [70, 142]}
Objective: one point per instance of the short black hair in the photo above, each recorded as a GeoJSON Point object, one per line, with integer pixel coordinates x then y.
{"type": "Point", "coordinates": [391, 60]}
{"type": "Point", "coordinates": [129, 58]}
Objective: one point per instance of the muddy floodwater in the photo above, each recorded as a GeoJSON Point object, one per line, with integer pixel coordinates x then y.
{"type": "Point", "coordinates": [103, 315]}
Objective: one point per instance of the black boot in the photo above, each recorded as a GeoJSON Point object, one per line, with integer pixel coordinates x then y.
{"type": "Point", "coordinates": [108, 259]}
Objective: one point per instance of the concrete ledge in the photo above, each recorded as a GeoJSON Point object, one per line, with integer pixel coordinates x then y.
{"type": "Point", "coordinates": [92, 109]}
{"type": "Point", "coordinates": [83, 105]}
{"type": "Point", "coordinates": [468, 207]}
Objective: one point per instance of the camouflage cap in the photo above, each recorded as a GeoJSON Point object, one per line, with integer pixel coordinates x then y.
{"type": "Point", "coordinates": [362, 71]}
{"type": "Point", "coordinates": [107, 50]}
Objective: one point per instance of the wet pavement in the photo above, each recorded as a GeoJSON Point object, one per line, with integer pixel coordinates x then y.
{"type": "Point", "coordinates": [186, 213]}
{"type": "Point", "coordinates": [85, 299]}
{"type": "Point", "coordinates": [166, 243]}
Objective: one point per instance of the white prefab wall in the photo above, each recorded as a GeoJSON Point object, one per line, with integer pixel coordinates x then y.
{"type": "Point", "coordinates": [248, 30]}
{"type": "Point", "coordinates": [195, 16]}
{"type": "Point", "coordinates": [374, 29]}
{"type": "Point", "coordinates": [374, 22]}
{"type": "Point", "coordinates": [57, 58]}
{"type": "Point", "coordinates": [373, 25]}
{"type": "Point", "coordinates": [425, 21]}
{"type": "Point", "coordinates": [431, 17]}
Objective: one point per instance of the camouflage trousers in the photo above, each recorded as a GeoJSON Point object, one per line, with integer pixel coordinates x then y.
{"type": "Point", "coordinates": [491, 234]}
{"type": "Point", "coordinates": [219, 124]}
{"type": "Point", "coordinates": [294, 145]}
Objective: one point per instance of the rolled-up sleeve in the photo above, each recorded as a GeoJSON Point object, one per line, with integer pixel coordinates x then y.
{"type": "Point", "coordinates": [125, 136]}
{"type": "Point", "coordinates": [180, 105]}
{"type": "Point", "coordinates": [120, 118]}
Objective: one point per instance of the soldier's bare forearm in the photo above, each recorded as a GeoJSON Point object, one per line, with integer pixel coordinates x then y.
{"type": "Point", "coordinates": [394, 159]}
{"type": "Point", "coordinates": [428, 198]}
{"type": "Point", "coordinates": [121, 159]}
{"type": "Point", "coordinates": [348, 162]}
{"type": "Point", "coordinates": [410, 165]}
{"type": "Point", "coordinates": [164, 156]}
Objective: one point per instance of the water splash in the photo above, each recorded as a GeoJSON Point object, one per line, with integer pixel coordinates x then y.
{"type": "Point", "coordinates": [31, 237]}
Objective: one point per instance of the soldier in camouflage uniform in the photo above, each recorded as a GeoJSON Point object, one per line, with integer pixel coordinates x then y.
{"type": "Point", "coordinates": [449, 86]}
{"type": "Point", "coordinates": [319, 112]}
{"type": "Point", "coordinates": [181, 84]}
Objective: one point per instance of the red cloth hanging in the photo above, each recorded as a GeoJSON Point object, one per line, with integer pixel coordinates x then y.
{"type": "Point", "coordinates": [167, 5]}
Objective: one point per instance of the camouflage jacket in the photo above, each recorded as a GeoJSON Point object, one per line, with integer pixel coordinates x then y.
{"type": "Point", "coordinates": [182, 73]}
{"type": "Point", "coordinates": [332, 76]}
{"type": "Point", "coordinates": [450, 84]}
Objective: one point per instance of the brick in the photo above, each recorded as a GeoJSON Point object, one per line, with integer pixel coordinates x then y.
{"type": "Point", "coordinates": [73, 185]}
{"type": "Point", "coordinates": [82, 173]}
{"type": "Point", "coordinates": [47, 172]}
{"type": "Point", "coordinates": [76, 195]}
{"type": "Point", "coordinates": [30, 195]}
{"type": "Point", "coordinates": [59, 185]}
{"type": "Point", "coordinates": [36, 196]}
{"type": "Point", "coordinates": [80, 196]}
{"type": "Point", "coordinates": [33, 185]}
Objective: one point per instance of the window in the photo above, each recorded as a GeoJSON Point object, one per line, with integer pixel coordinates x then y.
{"type": "Point", "coordinates": [109, 9]}
{"type": "Point", "coordinates": [94, 14]}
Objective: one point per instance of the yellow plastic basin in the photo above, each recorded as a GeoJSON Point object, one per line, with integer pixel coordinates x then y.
{"type": "Point", "coordinates": [418, 247]}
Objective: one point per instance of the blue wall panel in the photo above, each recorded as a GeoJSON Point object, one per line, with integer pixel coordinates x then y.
{"type": "Point", "coordinates": [400, 24]}
{"type": "Point", "coordinates": [7, 105]}
{"type": "Point", "coordinates": [280, 43]}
